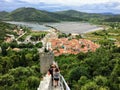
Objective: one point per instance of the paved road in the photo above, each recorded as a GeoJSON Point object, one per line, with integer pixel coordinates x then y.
{"type": "Point", "coordinates": [21, 36]}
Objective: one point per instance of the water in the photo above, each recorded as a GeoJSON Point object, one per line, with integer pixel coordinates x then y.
{"type": "Point", "coordinates": [66, 27]}
{"type": "Point", "coordinates": [75, 27]}
{"type": "Point", "coordinates": [33, 26]}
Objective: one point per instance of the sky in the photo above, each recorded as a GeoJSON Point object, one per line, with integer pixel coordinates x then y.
{"type": "Point", "coordinates": [90, 6]}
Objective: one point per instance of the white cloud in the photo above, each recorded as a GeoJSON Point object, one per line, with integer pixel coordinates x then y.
{"type": "Point", "coordinates": [82, 5]}
{"type": "Point", "coordinates": [31, 1]}
{"type": "Point", "coordinates": [69, 2]}
{"type": "Point", "coordinates": [8, 0]}
{"type": "Point", "coordinates": [117, 7]}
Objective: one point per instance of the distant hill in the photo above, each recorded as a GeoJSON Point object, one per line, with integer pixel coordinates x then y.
{"type": "Point", "coordinates": [84, 16]}
{"type": "Point", "coordinates": [3, 14]}
{"type": "Point", "coordinates": [63, 17]}
{"type": "Point", "coordinates": [107, 13]}
{"type": "Point", "coordinates": [115, 18]}
{"type": "Point", "coordinates": [29, 14]}
{"type": "Point", "coordinates": [34, 15]}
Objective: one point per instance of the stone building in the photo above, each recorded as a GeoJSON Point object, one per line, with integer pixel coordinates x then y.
{"type": "Point", "coordinates": [46, 59]}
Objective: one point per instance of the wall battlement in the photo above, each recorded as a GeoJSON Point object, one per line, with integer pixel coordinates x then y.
{"type": "Point", "coordinates": [46, 59]}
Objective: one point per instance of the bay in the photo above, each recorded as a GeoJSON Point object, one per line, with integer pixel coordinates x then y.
{"type": "Point", "coordinates": [65, 27]}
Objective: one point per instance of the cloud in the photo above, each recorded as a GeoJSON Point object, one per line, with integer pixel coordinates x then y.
{"type": "Point", "coordinates": [66, 2]}
{"type": "Point", "coordinates": [70, 2]}
{"type": "Point", "coordinates": [8, 0]}
{"type": "Point", "coordinates": [56, 5]}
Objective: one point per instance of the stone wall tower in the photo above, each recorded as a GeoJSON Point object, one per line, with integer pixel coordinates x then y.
{"type": "Point", "coordinates": [46, 59]}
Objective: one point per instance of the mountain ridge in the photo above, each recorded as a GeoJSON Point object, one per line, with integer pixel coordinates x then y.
{"type": "Point", "coordinates": [34, 15]}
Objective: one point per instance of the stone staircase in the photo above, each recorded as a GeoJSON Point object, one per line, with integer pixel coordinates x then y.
{"type": "Point", "coordinates": [46, 59]}
{"type": "Point", "coordinates": [46, 84]}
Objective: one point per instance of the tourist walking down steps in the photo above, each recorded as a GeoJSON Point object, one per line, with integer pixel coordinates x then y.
{"type": "Point", "coordinates": [50, 71]}
{"type": "Point", "coordinates": [55, 74]}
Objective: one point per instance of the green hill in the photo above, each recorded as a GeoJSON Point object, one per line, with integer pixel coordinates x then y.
{"type": "Point", "coordinates": [34, 15]}
{"type": "Point", "coordinates": [115, 18]}
{"type": "Point", "coordinates": [3, 14]}
{"type": "Point", "coordinates": [5, 28]}
{"type": "Point", "coordinates": [92, 17]}
{"type": "Point", "coordinates": [29, 14]}
{"type": "Point", "coordinates": [63, 17]}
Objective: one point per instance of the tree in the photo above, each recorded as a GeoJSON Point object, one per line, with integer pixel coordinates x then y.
{"type": "Point", "coordinates": [13, 44]}
{"type": "Point", "coordinates": [39, 45]}
{"type": "Point", "coordinates": [81, 56]}
{"type": "Point", "coordinates": [33, 82]}
{"type": "Point", "coordinates": [77, 72]}
{"type": "Point", "coordinates": [6, 80]}
{"type": "Point", "coordinates": [90, 86]}
{"type": "Point", "coordinates": [29, 59]}
{"type": "Point", "coordinates": [101, 81]}
{"type": "Point", "coordinates": [29, 45]}
{"type": "Point", "coordinates": [6, 64]}
{"type": "Point", "coordinates": [114, 78]}
{"type": "Point", "coordinates": [83, 80]}
{"type": "Point", "coordinates": [4, 47]}
{"type": "Point", "coordinates": [23, 61]}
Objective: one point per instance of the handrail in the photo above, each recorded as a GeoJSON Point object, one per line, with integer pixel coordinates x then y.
{"type": "Point", "coordinates": [64, 83]}
{"type": "Point", "coordinates": [46, 83]}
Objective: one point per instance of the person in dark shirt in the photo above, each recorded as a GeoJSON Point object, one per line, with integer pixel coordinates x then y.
{"type": "Point", "coordinates": [51, 72]}
{"type": "Point", "coordinates": [56, 76]}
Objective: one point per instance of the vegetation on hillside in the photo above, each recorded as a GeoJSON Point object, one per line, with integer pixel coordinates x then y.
{"type": "Point", "coordinates": [3, 14]}
{"type": "Point", "coordinates": [115, 18]}
{"type": "Point", "coordinates": [4, 29]}
{"type": "Point", "coordinates": [111, 34]}
{"type": "Point", "coordinates": [99, 70]}
{"type": "Point", "coordinates": [93, 70]}
{"type": "Point", "coordinates": [90, 17]}
{"type": "Point", "coordinates": [34, 15]}
{"type": "Point", "coordinates": [19, 70]}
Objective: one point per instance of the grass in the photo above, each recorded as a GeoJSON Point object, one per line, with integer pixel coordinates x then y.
{"type": "Point", "coordinates": [36, 33]}
{"type": "Point", "coordinates": [32, 33]}
{"type": "Point", "coordinates": [111, 34]}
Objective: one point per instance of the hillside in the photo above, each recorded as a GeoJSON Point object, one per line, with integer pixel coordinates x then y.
{"type": "Point", "coordinates": [5, 28]}
{"type": "Point", "coordinates": [115, 18]}
{"type": "Point", "coordinates": [63, 17]}
{"type": "Point", "coordinates": [99, 70]}
{"type": "Point", "coordinates": [29, 14]}
{"type": "Point", "coordinates": [85, 16]}
{"type": "Point", "coordinates": [3, 14]}
{"type": "Point", "coordinates": [34, 15]}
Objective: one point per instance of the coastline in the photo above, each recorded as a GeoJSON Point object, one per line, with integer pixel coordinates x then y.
{"type": "Point", "coordinates": [93, 30]}
{"type": "Point", "coordinates": [51, 28]}
{"type": "Point", "coordinates": [65, 27]}
{"type": "Point", "coordinates": [75, 27]}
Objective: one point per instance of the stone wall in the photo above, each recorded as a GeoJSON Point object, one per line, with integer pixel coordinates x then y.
{"type": "Point", "coordinates": [46, 84]}
{"type": "Point", "coordinates": [46, 59]}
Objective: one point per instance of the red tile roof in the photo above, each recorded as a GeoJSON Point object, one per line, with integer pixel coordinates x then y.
{"type": "Point", "coordinates": [73, 46]}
